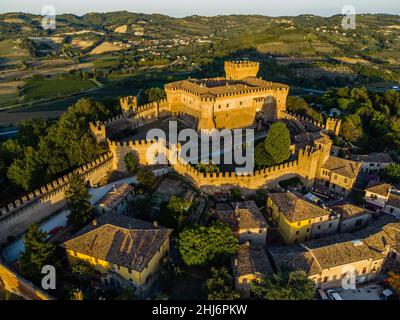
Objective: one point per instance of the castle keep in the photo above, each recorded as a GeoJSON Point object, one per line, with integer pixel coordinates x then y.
{"type": "Point", "coordinates": [233, 101]}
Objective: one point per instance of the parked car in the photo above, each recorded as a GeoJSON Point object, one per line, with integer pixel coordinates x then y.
{"type": "Point", "coordinates": [55, 230]}
{"type": "Point", "coordinates": [333, 295]}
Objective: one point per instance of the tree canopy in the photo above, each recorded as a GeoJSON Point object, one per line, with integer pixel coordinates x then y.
{"type": "Point", "coordinates": [293, 285]}
{"type": "Point", "coordinates": [276, 147]}
{"type": "Point", "coordinates": [200, 245]}
{"type": "Point", "coordinates": [37, 254]}
{"type": "Point", "coordinates": [131, 162]}
{"type": "Point", "coordinates": [146, 177]}
{"type": "Point", "coordinates": [220, 285]}
{"type": "Point", "coordinates": [78, 199]}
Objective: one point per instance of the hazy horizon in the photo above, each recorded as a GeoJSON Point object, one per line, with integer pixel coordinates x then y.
{"type": "Point", "coordinates": [180, 8]}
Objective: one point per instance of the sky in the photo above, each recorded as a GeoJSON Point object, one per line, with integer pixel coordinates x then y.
{"type": "Point", "coordinates": [181, 8]}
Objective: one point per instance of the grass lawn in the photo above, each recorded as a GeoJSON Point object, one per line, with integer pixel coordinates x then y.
{"type": "Point", "coordinates": [40, 89]}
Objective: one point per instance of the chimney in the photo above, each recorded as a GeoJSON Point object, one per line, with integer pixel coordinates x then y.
{"type": "Point", "coordinates": [155, 223]}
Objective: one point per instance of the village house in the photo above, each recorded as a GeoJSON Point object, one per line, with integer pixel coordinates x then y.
{"type": "Point", "coordinates": [392, 205]}
{"type": "Point", "coordinates": [373, 163]}
{"type": "Point", "coordinates": [338, 175]}
{"type": "Point", "coordinates": [377, 194]}
{"type": "Point", "coordinates": [299, 220]}
{"type": "Point", "coordinates": [245, 220]}
{"type": "Point", "coordinates": [330, 261]}
{"type": "Point", "coordinates": [250, 264]}
{"type": "Point", "coordinates": [116, 200]}
{"type": "Point", "coordinates": [123, 251]}
{"type": "Point", "coordinates": [352, 217]}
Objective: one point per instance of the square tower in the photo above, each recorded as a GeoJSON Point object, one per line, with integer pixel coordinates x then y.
{"type": "Point", "coordinates": [238, 70]}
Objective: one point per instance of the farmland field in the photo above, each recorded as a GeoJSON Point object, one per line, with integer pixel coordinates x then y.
{"type": "Point", "coordinates": [40, 89]}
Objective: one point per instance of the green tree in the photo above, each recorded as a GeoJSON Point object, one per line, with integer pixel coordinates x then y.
{"type": "Point", "coordinates": [293, 285]}
{"type": "Point", "coordinates": [26, 172]}
{"type": "Point", "coordinates": [154, 94]}
{"type": "Point", "coordinates": [78, 199]}
{"type": "Point", "coordinates": [261, 158]}
{"type": "Point", "coordinates": [173, 215]}
{"type": "Point", "coordinates": [277, 143]}
{"type": "Point", "coordinates": [131, 162]}
{"type": "Point", "coordinates": [83, 270]}
{"type": "Point", "coordinates": [200, 245]}
{"type": "Point", "coordinates": [37, 254]}
{"type": "Point", "coordinates": [146, 177]}
{"type": "Point", "coordinates": [220, 285]}
{"type": "Point", "coordinates": [392, 172]}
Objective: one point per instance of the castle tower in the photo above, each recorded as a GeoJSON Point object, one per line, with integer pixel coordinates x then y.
{"type": "Point", "coordinates": [98, 130]}
{"type": "Point", "coordinates": [238, 70]}
{"type": "Point", "coordinates": [333, 125]}
{"type": "Point", "coordinates": [128, 104]}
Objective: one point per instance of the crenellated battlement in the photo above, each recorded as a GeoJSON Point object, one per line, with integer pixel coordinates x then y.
{"type": "Point", "coordinates": [46, 192]}
{"type": "Point", "coordinates": [237, 70]}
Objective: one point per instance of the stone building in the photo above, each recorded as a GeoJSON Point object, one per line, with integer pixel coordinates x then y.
{"type": "Point", "coordinates": [245, 220]}
{"type": "Point", "coordinates": [352, 217]}
{"type": "Point", "coordinates": [299, 220]}
{"type": "Point", "coordinates": [116, 200]}
{"type": "Point", "coordinates": [125, 252]}
{"type": "Point", "coordinates": [330, 261]}
{"type": "Point", "coordinates": [250, 264]}
{"type": "Point", "coordinates": [233, 101]}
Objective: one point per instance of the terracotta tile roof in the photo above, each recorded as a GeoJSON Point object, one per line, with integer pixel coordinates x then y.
{"type": "Point", "coordinates": [113, 198]}
{"type": "Point", "coordinates": [373, 157]}
{"type": "Point", "coordinates": [295, 258]}
{"type": "Point", "coordinates": [119, 240]}
{"type": "Point", "coordinates": [368, 243]}
{"type": "Point", "coordinates": [348, 210]}
{"type": "Point", "coordinates": [378, 188]}
{"type": "Point", "coordinates": [393, 200]}
{"type": "Point", "coordinates": [315, 259]}
{"type": "Point", "coordinates": [295, 208]}
{"type": "Point", "coordinates": [248, 215]}
{"type": "Point", "coordinates": [251, 259]}
{"type": "Point", "coordinates": [343, 167]}
{"type": "Point", "coordinates": [219, 86]}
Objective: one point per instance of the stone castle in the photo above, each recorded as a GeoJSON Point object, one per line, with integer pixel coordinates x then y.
{"type": "Point", "coordinates": [229, 102]}
{"type": "Point", "coordinates": [235, 101]}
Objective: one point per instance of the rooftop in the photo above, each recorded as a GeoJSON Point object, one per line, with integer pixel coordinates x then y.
{"type": "Point", "coordinates": [343, 167]}
{"type": "Point", "coordinates": [295, 208]}
{"type": "Point", "coordinates": [348, 210]}
{"type": "Point", "coordinates": [393, 200]}
{"type": "Point", "coordinates": [249, 215]}
{"type": "Point", "coordinates": [241, 215]}
{"type": "Point", "coordinates": [373, 157]}
{"type": "Point", "coordinates": [378, 188]}
{"type": "Point", "coordinates": [368, 243]}
{"type": "Point", "coordinates": [119, 240]}
{"type": "Point", "coordinates": [251, 259]}
{"type": "Point", "coordinates": [113, 198]}
{"type": "Point", "coordinates": [215, 87]}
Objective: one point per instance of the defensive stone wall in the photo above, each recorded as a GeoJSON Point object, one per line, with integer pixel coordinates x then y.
{"type": "Point", "coordinates": [41, 203]}
{"type": "Point", "coordinates": [20, 286]}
